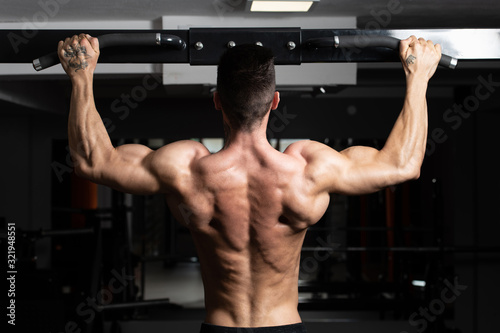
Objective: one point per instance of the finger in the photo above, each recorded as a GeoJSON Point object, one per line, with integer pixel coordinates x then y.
{"type": "Point", "coordinates": [60, 49]}
{"type": "Point", "coordinates": [408, 40]}
{"type": "Point", "coordinates": [74, 41]}
{"type": "Point", "coordinates": [94, 42]}
{"type": "Point", "coordinates": [438, 48]}
{"type": "Point", "coordinates": [406, 43]}
{"type": "Point", "coordinates": [66, 45]}
{"type": "Point", "coordinates": [83, 40]}
{"type": "Point", "coordinates": [67, 40]}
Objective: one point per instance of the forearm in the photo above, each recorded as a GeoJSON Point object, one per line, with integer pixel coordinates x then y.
{"type": "Point", "coordinates": [88, 139]}
{"type": "Point", "coordinates": [405, 146]}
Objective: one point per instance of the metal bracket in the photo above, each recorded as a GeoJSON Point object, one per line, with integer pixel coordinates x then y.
{"type": "Point", "coordinates": [207, 45]}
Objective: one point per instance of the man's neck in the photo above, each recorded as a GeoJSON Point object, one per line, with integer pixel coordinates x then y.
{"type": "Point", "coordinates": [246, 139]}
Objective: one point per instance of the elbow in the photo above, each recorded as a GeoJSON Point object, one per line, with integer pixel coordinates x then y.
{"type": "Point", "coordinates": [83, 170]}
{"type": "Point", "coordinates": [410, 171]}
{"type": "Point", "coordinates": [92, 169]}
{"type": "Point", "coordinates": [414, 175]}
{"type": "Point", "coordinates": [80, 171]}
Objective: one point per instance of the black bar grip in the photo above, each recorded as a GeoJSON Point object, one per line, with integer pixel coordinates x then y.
{"type": "Point", "coordinates": [362, 41]}
{"type": "Point", "coordinates": [110, 40]}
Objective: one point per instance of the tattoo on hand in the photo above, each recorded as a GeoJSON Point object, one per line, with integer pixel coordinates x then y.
{"type": "Point", "coordinates": [410, 60]}
{"type": "Point", "coordinates": [77, 57]}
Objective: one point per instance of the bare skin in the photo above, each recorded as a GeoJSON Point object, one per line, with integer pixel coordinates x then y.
{"type": "Point", "coordinates": [248, 206]}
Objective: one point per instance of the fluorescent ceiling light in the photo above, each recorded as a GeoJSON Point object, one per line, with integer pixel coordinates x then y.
{"type": "Point", "coordinates": [280, 6]}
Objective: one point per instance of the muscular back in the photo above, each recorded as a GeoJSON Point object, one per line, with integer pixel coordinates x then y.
{"type": "Point", "coordinates": [248, 211]}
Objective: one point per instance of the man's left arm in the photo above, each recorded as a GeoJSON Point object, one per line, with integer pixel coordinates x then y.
{"type": "Point", "coordinates": [361, 170]}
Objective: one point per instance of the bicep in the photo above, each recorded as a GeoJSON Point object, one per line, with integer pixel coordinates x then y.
{"type": "Point", "coordinates": [137, 169]}
{"type": "Point", "coordinates": [130, 168]}
{"type": "Point", "coordinates": [367, 170]}
{"type": "Point", "coordinates": [354, 171]}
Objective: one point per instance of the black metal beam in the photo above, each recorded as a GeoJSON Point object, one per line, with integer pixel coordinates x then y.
{"type": "Point", "coordinates": [291, 45]}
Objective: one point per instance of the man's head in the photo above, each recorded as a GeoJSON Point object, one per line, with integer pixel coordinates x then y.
{"type": "Point", "coordinates": [246, 85]}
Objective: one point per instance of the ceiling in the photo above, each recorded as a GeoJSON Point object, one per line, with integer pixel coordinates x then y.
{"type": "Point", "coordinates": [411, 13]}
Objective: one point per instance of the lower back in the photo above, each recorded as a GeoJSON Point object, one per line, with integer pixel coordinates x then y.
{"type": "Point", "coordinates": [252, 286]}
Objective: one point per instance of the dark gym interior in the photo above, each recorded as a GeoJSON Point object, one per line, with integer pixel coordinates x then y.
{"type": "Point", "coordinates": [422, 256]}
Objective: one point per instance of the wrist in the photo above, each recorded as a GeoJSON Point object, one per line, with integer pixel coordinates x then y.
{"type": "Point", "coordinates": [417, 78]}
{"type": "Point", "coordinates": [417, 82]}
{"type": "Point", "coordinates": [81, 81]}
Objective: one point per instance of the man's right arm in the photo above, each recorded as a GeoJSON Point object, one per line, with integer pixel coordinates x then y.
{"type": "Point", "coordinates": [360, 170]}
{"type": "Point", "coordinates": [130, 168]}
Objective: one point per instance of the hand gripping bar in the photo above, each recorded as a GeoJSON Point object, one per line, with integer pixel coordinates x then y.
{"type": "Point", "coordinates": [362, 41]}
{"type": "Point", "coordinates": [110, 40]}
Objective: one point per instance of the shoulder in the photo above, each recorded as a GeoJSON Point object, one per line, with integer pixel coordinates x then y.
{"type": "Point", "coordinates": [184, 150]}
{"type": "Point", "coordinates": [323, 164]}
{"type": "Point", "coordinates": [309, 150]}
{"type": "Point", "coordinates": [175, 160]}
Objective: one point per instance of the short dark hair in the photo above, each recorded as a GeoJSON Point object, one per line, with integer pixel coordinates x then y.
{"type": "Point", "coordinates": [246, 84]}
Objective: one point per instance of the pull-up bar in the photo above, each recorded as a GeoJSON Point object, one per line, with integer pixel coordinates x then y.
{"type": "Point", "coordinates": [291, 46]}
{"type": "Point", "coordinates": [207, 45]}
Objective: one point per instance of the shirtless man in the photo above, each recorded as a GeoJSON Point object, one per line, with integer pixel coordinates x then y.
{"type": "Point", "coordinates": [248, 206]}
